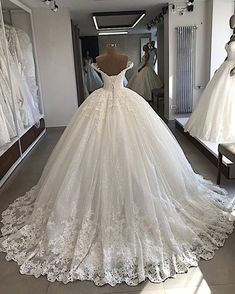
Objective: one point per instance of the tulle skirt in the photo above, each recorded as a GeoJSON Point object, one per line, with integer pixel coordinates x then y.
{"type": "Point", "coordinates": [214, 116]}
{"type": "Point", "coordinates": [144, 82]}
{"type": "Point", "coordinates": [117, 201]}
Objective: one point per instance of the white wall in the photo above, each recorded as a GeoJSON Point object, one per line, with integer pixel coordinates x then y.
{"type": "Point", "coordinates": [199, 18]}
{"type": "Point", "coordinates": [212, 19]}
{"type": "Point", "coordinates": [220, 31]}
{"type": "Point", "coordinates": [56, 64]}
{"type": "Point", "coordinates": [21, 19]}
{"type": "Point", "coordinates": [166, 66]}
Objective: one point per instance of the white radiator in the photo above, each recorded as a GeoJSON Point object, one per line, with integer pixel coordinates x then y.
{"type": "Point", "coordinates": [186, 46]}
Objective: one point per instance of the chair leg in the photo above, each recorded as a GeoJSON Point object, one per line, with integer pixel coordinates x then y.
{"type": "Point", "coordinates": [219, 168]}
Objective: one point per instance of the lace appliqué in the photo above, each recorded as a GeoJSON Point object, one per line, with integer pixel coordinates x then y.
{"type": "Point", "coordinates": [82, 249]}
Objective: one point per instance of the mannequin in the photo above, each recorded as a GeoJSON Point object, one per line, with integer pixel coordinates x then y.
{"type": "Point", "coordinates": [88, 57]}
{"type": "Point", "coordinates": [232, 39]}
{"type": "Point", "coordinates": [232, 26]}
{"type": "Point", "coordinates": [112, 62]}
{"type": "Point", "coordinates": [145, 80]}
{"type": "Point", "coordinates": [213, 118]}
{"type": "Point", "coordinates": [145, 57]}
{"type": "Point", "coordinates": [153, 54]}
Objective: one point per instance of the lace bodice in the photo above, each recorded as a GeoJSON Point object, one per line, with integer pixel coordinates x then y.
{"type": "Point", "coordinates": [115, 81]}
{"type": "Point", "coordinates": [230, 48]}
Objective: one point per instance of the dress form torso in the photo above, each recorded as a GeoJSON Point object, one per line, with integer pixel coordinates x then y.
{"type": "Point", "coordinates": [232, 26]}
{"type": "Point", "coordinates": [152, 56]}
{"type": "Point", "coordinates": [230, 48]}
{"type": "Point", "coordinates": [112, 62]}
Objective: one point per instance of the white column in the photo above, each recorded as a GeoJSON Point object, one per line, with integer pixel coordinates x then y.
{"type": "Point", "coordinates": [56, 64]}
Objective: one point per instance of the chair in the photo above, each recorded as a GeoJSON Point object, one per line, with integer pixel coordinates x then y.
{"type": "Point", "coordinates": [228, 150]}
{"type": "Point", "coordinates": [158, 94]}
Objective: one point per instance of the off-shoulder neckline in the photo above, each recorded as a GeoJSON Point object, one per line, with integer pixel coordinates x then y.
{"type": "Point", "coordinates": [96, 67]}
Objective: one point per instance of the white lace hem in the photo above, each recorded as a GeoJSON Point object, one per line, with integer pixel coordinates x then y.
{"type": "Point", "coordinates": [132, 271]}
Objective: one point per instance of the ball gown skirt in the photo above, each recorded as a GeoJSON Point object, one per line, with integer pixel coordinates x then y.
{"type": "Point", "coordinates": [214, 116]}
{"type": "Point", "coordinates": [117, 201]}
{"type": "Point", "coordinates": [144, 82]}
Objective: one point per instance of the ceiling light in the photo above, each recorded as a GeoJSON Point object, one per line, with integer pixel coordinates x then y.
{"type": "Point", "coordinates": [47, 2]}
{"type": "Point", "coordinates": [138, 20]}
{"type": "Point", "coordinates": [55, 7]}
{"type": "Point", "coordinates": [99, 19]}
{"type": "Point", "coordinates": [190, 5]}
{"type": "Point", "coordinates": [95, 23]}
{"type": "Point", "coordinates": [112, 33]}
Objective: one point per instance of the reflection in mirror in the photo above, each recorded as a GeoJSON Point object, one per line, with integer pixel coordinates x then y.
{"type": "Point", "coordinates": [8, 130]}
{"type": "Point", "coordinates": [92, 79]}
{"type": "Point", "coordinates": [145, 80]}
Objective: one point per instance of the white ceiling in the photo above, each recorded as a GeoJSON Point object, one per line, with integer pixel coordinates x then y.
{"type": "Point", "coordinates": [6, 4]}
{"type": "Point", "coordinates": [81, 10]}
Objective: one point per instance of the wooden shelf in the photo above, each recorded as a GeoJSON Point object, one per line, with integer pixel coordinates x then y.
{"type": "Point", "coordinates": [210, 150]}
{"type": "Point", "coordinates": [19, 147]}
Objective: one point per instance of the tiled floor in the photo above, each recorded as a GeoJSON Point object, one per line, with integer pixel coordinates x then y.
{"type": "Point", "coordinates": [216, 276]}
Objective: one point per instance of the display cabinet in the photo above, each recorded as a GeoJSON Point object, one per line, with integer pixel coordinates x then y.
{"type": "Point", "coordinates": [21, 106]}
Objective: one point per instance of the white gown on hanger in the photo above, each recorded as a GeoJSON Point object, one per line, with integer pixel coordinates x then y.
{"type": "Point", "coordinates": [4, 134]}
{"type": "Point", "coordinates": [28, 64]}
{"type": "Point", "coordinates": [114, 203]}
{"type": "Point", "coordinates": [26, 103]}
{"type": "Point", "coordinates": [213, 119]}
{"type": "Point", "coordinates": [144, 82]}
{"type": "Point", "coordinates": [92, 79]}
{"type": "Point", "coordinates": [6, 99]}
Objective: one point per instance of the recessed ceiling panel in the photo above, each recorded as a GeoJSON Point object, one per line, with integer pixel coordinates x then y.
{"type": "Point", "coordinates": [116, 21]}
{"type": "Point", "coordinates": [8, 5]}
{"type": "Point", "coordinates": [119, 19]}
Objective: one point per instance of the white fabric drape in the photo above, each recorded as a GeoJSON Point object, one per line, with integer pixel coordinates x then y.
{"type": "Point", "coordinates": [21, 108]}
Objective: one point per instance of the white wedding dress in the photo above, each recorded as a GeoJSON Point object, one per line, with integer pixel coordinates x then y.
{"type": "Point", "coordinates": [152, 54]}
{"type": "Point", "coordinates": [213, 119]}
{"type": "Point", "coordinates": [27, 103]}
{"type": "Point", "coordinates": [4, 134]}
{"type": "Point", "coordinates": [117, 201]}
{"type": "Point", "coordinates": [92, 79]}
{"type": "Point", "coordinates": [145, 81]}
{"type": "Point", "coordinates": [29, 70]}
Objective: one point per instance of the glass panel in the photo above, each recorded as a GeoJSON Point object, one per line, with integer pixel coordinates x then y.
{"type": "Point", "coordinates": [8, 129]}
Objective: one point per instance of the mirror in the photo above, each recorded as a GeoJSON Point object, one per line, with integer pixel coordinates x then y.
{"type": "Point", "coordinates": [20, 105]}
